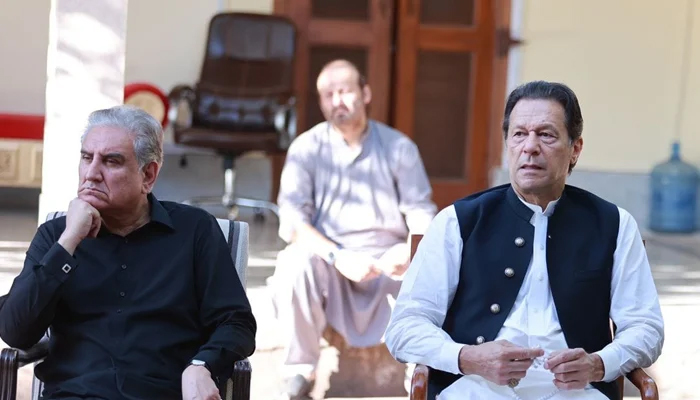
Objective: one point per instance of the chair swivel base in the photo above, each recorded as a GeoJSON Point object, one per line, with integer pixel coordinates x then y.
{"type": "Point", "coordinates": [233, 203]}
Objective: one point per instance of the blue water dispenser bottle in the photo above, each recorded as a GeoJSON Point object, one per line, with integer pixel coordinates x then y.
{"type": "Point", "coordinates": [674, 195]}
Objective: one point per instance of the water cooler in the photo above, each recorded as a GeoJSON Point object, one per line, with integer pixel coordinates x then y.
{"type": "Point", "coordinates": [674, 195]}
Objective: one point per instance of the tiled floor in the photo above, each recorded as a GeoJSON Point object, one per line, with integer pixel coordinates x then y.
{"type": "Point", "coordinates": [675, 263]}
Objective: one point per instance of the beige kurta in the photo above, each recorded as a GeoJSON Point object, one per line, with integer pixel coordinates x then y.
{"type": "Point", "coordinates": [365, 199]}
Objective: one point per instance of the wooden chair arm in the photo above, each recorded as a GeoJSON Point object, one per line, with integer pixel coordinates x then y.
{"type": "Point", "coordinates": [8, 374]}
{"type": "Point", "coordinates": [238, 386]}
{"type": "Point", "coordinates": [13, 359]}
{"type": "Point", "coordinates": [645, 384]}
{"type": "Point", "coordinates": [419, 383]}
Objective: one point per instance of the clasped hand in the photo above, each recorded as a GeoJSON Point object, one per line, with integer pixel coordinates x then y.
{"type": "Point", "coordinates": [361, 267]}
{"type": "Point", "coordinates": [501, 361]}
{"type": "Point", "coordinates": [574, 368]}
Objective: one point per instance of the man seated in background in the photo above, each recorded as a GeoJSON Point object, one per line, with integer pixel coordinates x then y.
{"type": "Point", "coordinates": [351, 189]}
{"type": "Point", "coordinates": [511, 291]}
{"type": "Point", "coordinates": [141, 295]}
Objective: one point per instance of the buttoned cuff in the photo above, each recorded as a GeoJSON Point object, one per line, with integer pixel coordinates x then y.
{"type": "Point", "coordinates": [58, 262]}
{"type": "Point", "coordinates": [611, 363]}
{"type": "Point", "coordinates": [449, 358]}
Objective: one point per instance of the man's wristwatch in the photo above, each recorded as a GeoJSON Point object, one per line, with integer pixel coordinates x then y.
{"type": "Point", "coordinates": [200, 363]}
{"type": "Point", "coordinates": [332, 256]}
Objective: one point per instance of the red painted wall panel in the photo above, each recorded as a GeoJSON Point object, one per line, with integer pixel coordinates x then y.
{"type": "Point", "coordinates": [20, 126]}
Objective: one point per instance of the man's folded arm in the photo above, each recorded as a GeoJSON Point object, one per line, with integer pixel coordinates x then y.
{"type": "Point", "coordinates": [225, 311]}
{"type": "Point", "coordinates": [415, 334]}
{"type": "Point", "coordinates": [30, 306]}
{"type": "Point", "coordinates": [634, 306]}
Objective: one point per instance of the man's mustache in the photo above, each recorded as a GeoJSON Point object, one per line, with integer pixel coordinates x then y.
{"type": "Point", "coordinates": [91, 187]}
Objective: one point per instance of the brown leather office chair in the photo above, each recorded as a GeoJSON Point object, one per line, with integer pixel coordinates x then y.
{"type": "Point", "coordinates": [244, 100]}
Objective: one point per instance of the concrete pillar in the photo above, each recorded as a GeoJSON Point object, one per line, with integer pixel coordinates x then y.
{"type": "Point", "coordinates": [85, 72]}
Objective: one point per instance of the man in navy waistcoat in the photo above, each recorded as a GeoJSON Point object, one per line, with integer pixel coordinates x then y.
{"type": "Point", "coordinates": [511, 291]}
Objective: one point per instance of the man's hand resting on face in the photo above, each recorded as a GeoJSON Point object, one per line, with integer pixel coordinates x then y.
{"type": "Point", "coordinates": [82, 221]}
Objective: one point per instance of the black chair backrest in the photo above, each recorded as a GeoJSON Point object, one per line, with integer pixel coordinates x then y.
{"type": "Point", "coordinates": [247, 73]}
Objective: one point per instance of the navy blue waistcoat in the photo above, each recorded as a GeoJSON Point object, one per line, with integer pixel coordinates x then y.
{"type": "Point", "coordinates": [497, 234]}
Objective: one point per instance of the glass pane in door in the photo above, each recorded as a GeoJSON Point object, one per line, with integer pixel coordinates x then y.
{"type": "Point", "coordinates": [441, 112]}
{"type": "Point", "coordinates": [448, 12]}
{"type": "Point", "coordinates": [348, 10]}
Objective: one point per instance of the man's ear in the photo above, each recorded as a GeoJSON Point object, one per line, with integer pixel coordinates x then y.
{"type": "Point", "coordinates": [150, 173]}
{"type": "Point", "coordinates": [576, 153]}
{"type": "Point", "coordinates": [366, 94]}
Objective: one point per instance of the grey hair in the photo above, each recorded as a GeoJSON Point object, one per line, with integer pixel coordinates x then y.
{"type": "Point", "coordinates": [147, 131]}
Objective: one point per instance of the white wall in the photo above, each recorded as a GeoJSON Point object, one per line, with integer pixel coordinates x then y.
{"type": "Point", "coordinates": [165, 45]}
{"type": "Point", "coordinates": [24, 41]}
{"type": "Point", "coordinates": [623, 59]}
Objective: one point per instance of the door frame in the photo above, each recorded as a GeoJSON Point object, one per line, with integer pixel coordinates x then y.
{"type": "Point", "coordinates": [487, 148]}
{"type": "Point", "coordinates": [501, 84]}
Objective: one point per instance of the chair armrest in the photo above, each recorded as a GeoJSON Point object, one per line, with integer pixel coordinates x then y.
{"type": "Point", "coordinates": [13, 359]}
{"type": "Point", "coordinates": [238, 387]}
{"type": "Point", "coordinates": [286, 123]}
{"type": "Point", "coordinates": [645, 384]}
{"type": "Point", "coordinates": [35, 353]}
{"type": "Point", "coordinates": [20, 358]}
{"type": "Point", "coordinates": [419, 383]}
{"type": "Point", "coordinates": [178, 95]}
{"type": "Point", "coordinates": [8, 374]}
{"type": "Point", "coordinates": [182, 92]}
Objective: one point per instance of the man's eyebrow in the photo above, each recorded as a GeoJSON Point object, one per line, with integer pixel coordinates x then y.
{"type": "Point", "coordinates": [113, 155]}
{"type": "Point", "coordinates": [545, 125]}
{"type": "Point", "coordinates": [117, 156]}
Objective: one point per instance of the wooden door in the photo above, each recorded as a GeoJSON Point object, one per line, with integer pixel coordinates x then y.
{"type": "Point", "coordinates": [357, 30]}
{"type": "Point", "coordinates": [443, 90]}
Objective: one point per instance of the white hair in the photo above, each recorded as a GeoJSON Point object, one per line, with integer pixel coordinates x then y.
{"type": "Point", "coordinates": [147, 131]}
